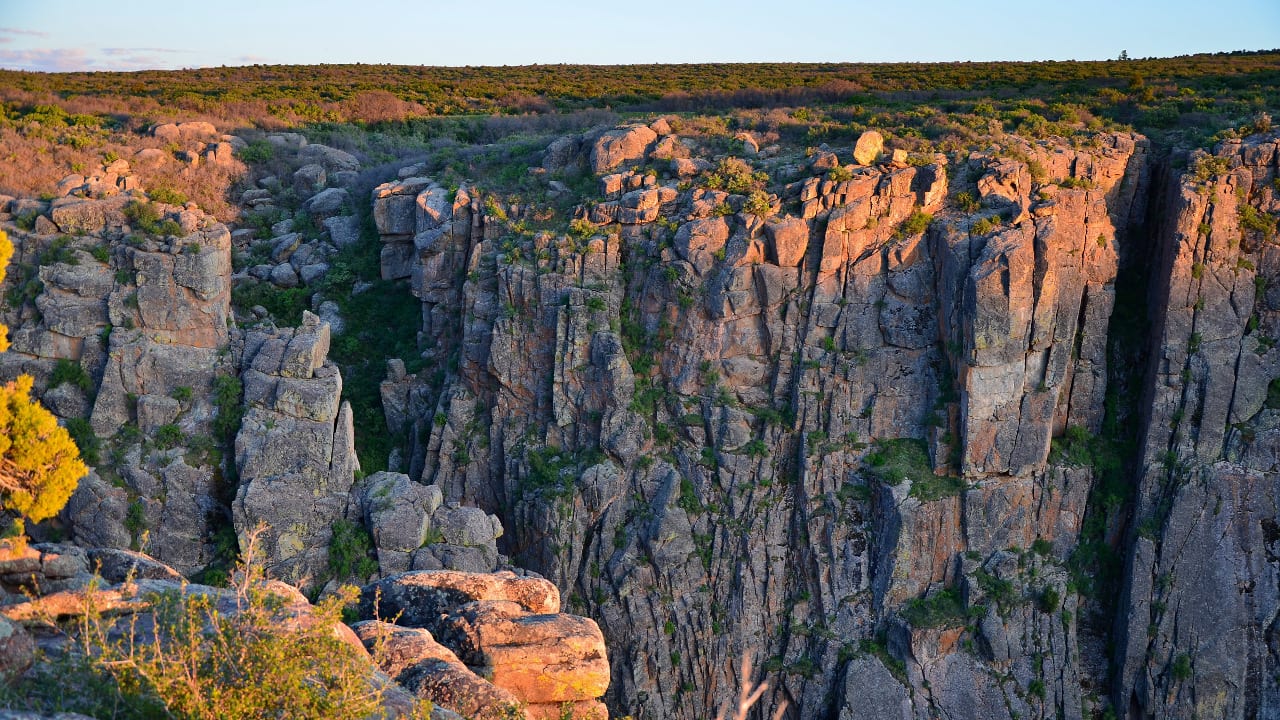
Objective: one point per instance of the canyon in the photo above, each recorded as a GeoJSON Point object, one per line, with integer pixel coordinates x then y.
{"type": "Point", "coordinates": [981, 434]}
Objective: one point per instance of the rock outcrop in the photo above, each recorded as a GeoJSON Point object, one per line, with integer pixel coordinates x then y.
{"type": "Point", "coordinates": [482, 643]}
{"type": "Point", "coordinates": [139, 327]}
{"type": "Point", "coordinates": [986, 434]}
{"type": "Point", "coordinates": [295, 450]}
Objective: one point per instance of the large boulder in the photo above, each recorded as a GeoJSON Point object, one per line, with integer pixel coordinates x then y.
{"type": "Point", "coordinates": [432, 671]}
{"type": "Point", "coordinates": [870, 145]}
{"type": "Point", "coordinates": [332, 159]}
{"type": "Point", "coordinates": [421, 598]}
{"type": "Point", "coordinates": [399, 514]}
{"type": "Point", "coordinates": [327, 203]}
{"type": "Point", "coordinates": [620, 146]}
{"type": "Point", "coordinates": [543, 658]}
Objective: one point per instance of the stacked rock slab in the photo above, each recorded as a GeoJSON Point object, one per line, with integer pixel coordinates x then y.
{"type": "Point", "coordinates": [295, 449]}
{"type": "Point", "coordinates": [413, 529]}
{"type": "Point", "coordinates": [496, 637]}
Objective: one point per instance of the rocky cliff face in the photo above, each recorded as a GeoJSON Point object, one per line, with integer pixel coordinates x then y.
{"type": "Point", "coordinates": [1197, 632]}
{"type": "Point", "coordinates": [815, 427]}
{"type": "Point", "coordinates": [989, 434]}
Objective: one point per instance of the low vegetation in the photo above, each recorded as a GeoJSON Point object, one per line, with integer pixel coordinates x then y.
{"type": "Point", "coordinates": [907, 459]}
{"type": "Point", "coordinates": [202, 660]}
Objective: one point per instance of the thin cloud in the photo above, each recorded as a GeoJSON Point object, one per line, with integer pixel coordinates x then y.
{"type": "Point", "coordinates": [134, 51]}
{"type": "Point", "coordinates": [46, 60]}
{"type": "Point", "coordinates": [21, 31]}
{"type": "Point", "coordinates": [80, 59]}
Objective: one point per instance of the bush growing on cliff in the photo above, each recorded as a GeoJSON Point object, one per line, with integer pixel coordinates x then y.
{"type": "Point", "coordinates": [349, 551]}
{"type": "Point", "coordinates": [942, 609]}
{"type": "Point", "coordinates": [70, 371]}
{"type": "Point", "coordinates": [40, 464]}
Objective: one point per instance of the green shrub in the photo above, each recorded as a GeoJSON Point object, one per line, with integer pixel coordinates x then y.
{"type": "Point", "coordinates": [965, 202]}
{"type": "Point", "coordinates": [350, 551]}
{"type": "Point", "coordinates": [917, 223]}
{"type": "Point", "coordinates": [257, 151]}
{"type": "Point", "coordinates": [69, 371]}
{"type": "Point", "coordinates": [1001, 592]}
{"type": "Point", "coordinates": [167, 196]}
{"type": "Point", "coordinates": [284, 304]}
{"type": "Point", "coordinates": [145, 218]}
{"type": "Point", "coordinates": [734, 175]}
{"type": "Point", "coordinates": [1081, 183]}
{"type": "Point", "coordinates": [758, 204]}
{"type": "Point", "coordinates": [899, 459]}
{"type": "Point", "coordinates": [986, 225]}
{"type": "Point", "coordinates": [226, 398]}
{"type": "Point", "coordinates": [1049, 600]}
{"type": "Point", "coordinates": [1260, 222]}
{"type": "Point", "coordinates": [1075, 447]}
{"type": "Point", "coordinates": [942, 609]}
{"type": "Point", "coordinates": [839, 173]}
{"type": "Point", "coordinates": [169, 436]}
{"type": "Point", "coordinates": [1273, 395]}
{"type": "Point", "coordinates": [1182, 667]}
{"type": "Point", "coordinates": [83, 436]}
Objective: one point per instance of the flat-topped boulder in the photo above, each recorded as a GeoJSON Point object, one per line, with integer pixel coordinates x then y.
{"type": "Point", "coordinates": [420, 598]}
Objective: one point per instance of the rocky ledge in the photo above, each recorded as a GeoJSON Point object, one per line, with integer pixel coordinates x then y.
{"type": "Point", "coordinates": [477, 645]}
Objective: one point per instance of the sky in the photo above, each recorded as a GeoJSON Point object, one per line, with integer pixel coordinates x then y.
{"type": "Point", "coordinates": [65, 35]}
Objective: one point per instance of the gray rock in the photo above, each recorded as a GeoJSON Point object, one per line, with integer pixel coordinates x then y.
{"type": "Point", "coordinates": [332, 159]}
{"type": "Point", "coordinates": [327, 203]}
{"type": "Point", "coordinates": [344, 230]}
{"type": "Point", "coordinates": [309, 180]}
{"type": "Point", "coordinates": [284, 276]}
{"type": "Point", "coordinates": [313, 273]}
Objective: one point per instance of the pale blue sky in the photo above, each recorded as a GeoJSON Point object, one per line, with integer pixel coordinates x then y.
{"type": "Point", "coordinates": [136, 34]}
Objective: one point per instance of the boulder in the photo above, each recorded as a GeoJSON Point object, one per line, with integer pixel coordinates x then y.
{"type": "Point", "coordinates": [421, 597]}
{"type": "Point", "coordinates": [620, 146]}
{"type": "Point", "coordinates": [284, 246]}
{"type": "Point", "coordinates": [283, 275]}
{"type": "Point", "coordinates": [150, 157]}
{"type": "Point", "coordinates": [312, 273]}
{"type": "Point", "coordinates": [539, 658]}
{"type": "Point", "coordinates": [167, 132]}
{"type": "Point", "coordinates": [869, 146]}
{"type": "Point", "coordinates": [399, 516]}
{"type": "Point", "coordinates": [344, 230]}
{"type": "Point", "coordinates": [197, 130]}
{"type": "Point", "coordinates": [699, 241]}
{"type": "Point", "coordinates": [309, 179]}
{"type": "Point", "coordinates": [332, 159]}
{"type": "Point", "coordinates": [327, 203]}
{"type": "Point", "coordinates": [17, 649]}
